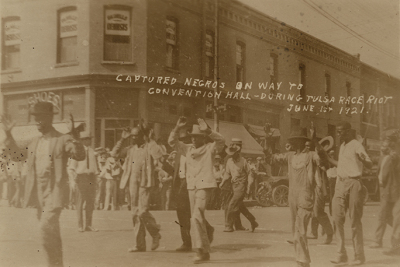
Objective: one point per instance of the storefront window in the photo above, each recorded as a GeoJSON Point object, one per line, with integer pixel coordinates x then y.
{"type": "Point", "coordinates": [11, 43]}
{"type": "Point", "coordinates": [117, 34]}
{"type": "Point", "coordinates": [67, 35]}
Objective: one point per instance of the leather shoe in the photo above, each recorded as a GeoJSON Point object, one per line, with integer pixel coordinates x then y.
{"type": "Point", "coordinates": [356, 262]}
{"type": "Point", "coordinates": [156, 242]}
{"type": "Point", "coordinates": [241, 228]}
{"type": "Point", "coordinates": [228, 230]}
{"type": "Point", "coordinates": [201, 257]}
{"type": "Point", "coordinates": [290, 241]}
{"type": "Point", "coordinates": [254, 225]}
{"type": "Point", "coordinates": [91, 229]}
{"type": "Point", "coordinates": [376, 245]}
{"type": "Point", "coordinates": [340, 260]}
{"type": "Point", "coordinates": [135, 249]}
{"type": "Point", "coordinates": [80, 229]}
{"type": "Point", "coordinates": [328, 240]}
{"type": "Point", "coordinates": [210, 235]}
{"type": "Point", "coordinates": [184, 248]}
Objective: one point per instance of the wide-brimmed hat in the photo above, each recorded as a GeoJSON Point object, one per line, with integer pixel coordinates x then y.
{"type": "Point", "coordinates": [236, 141]}
{"type": "Point", "coordinates": [299, 133]}
{"type": "Point", "coordinates": [196, 130]}
{"type": "Point", "coordinates": [42, 108]}
{"type": "Point", "coordinates": [232, 149]}
{"type": "Point", "coordinates": [183, 134]}
{"type": "Point", "coordinates": [259, 158]}
{"type": "Point", "coordinates": [327, 143]}
{"type": "Point", "coordinates": [85, 135]}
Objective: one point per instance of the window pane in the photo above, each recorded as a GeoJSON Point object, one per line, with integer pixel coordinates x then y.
{"type": "Point", "coordinates": [68, 49]}
{"type": "Point", "coordinates": [12, 41]}
{"type": "Point", "coordinates": [11, 57]}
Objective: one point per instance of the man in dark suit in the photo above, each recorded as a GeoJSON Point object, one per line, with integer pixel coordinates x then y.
{"type": "Point", "coordinates": [47, 177]}
{"type": "Point", "coordinates": [389, 189]}
{"type": "Point", "coordinates": [181, 196]}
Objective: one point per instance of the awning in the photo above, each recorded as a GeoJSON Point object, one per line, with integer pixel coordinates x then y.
{"type": "Point", "coordinates": [231, 130]}
{"type": "Point", "coordinates": [24, 134]}
{"type": "Point", "coordinates": [259, 130]}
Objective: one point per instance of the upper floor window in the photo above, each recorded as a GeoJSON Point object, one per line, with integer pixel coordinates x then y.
{"type": "Point", "coordinates": [117, 34]}
{"type": "Point", "coordinates": [172, 43]}
{"type": "Point", "coordinates": [240, 61]}
{"type": "Point", "coordinates": [67, 35]}
{"type": "Point", "coordinates": [302, 80]}
{"type": "Point", "coordinates": [348, 93]}
{"type": "Point", "coordinates": [210, 48]}
{"type": "Point", "coordinates": [328, 85]}
{"type": "Point", "coordinates": [273, 68]}
{"type": "Point", "coordinates": [11, 43]}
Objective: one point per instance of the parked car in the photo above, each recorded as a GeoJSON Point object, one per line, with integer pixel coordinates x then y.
{"type": "Point", "coordinates": [273, 191]}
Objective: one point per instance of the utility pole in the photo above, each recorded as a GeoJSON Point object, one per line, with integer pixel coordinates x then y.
{"type": "Point", "coordinates": [216, 43]}
{"type": "Point", "coordinates": [380, 112]}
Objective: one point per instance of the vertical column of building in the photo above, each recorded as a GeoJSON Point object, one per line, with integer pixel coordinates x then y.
{"type": "Point", "coordinates": [90, 110]}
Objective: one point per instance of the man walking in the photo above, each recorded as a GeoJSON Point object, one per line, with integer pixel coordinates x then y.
{"type": "Point", "coordinates": [139, 170]}
{"type": "Point", "coordinates": [389, 189]}
{"type": "Point", "coordinates": [238, 171]}
{"type": "Point", "coordinates": [304, 175]}
{"type": "Point", "coordinates": [200, 178]}
{"type": "Point", "coordinates": [47, 177]}
{"type": "Point", "coordinates": [181, 196]}
{"type": "Point", "coordinates": [84, 174]}
{"type": "Point", "coordinates": [349, 194]}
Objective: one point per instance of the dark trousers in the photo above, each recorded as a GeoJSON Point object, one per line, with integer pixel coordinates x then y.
{"type": "Point", "coordinates": [319, 215]}
{"type": "Point", "coordinates": [384, 217]}
{"type": "Point", "coordinates": [396, 225]}
{"type": "Point", "coordinates": [86, 193]}
{"type": "Point", "coordinates": [183, 212]}
{"type": "Point", "coordinates": [141, 217]}
{"type": "Point", "coordinates": [349, 195]}
{"type": "Point", "coordinates": [236, 206]}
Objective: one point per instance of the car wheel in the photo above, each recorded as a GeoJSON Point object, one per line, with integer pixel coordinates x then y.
{"type": "Point", "coordinates": [280, 195]}
{"type": "Point", "coordinates": [263, 196]}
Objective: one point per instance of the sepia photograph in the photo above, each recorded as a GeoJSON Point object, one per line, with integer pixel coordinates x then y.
{"type": "Point", "coordinates": [215, 132]}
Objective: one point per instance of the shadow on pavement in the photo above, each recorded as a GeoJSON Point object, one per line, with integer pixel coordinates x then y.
{"type": "Point", "coordinates": [231, 248]}
{"type": "Point", "coordinates": [254, 260]}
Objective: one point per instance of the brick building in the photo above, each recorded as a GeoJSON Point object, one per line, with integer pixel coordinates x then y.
{"type": "Point", "coordinates": [83, 56]}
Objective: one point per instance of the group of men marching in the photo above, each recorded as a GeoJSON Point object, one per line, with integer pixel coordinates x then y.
{"type": "Point", "coordinates": [197, 173]}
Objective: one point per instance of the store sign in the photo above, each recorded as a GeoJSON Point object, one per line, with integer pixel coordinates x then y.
{"type": "Point", "coordinates": [171, 32]}
{"type": "Point", "coordinates": [69, 23]}
{"type": "Point", "coordinates": [117, 22]}
{"type": "Point", "coordinates": [50, 97]}
{"type": "Point", "coordinates": [12, 32]}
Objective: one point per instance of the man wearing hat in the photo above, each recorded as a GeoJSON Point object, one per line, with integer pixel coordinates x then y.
{"type": "Point", "coordinates": [47, 178]}
{"type": "Point", "coordinates": [139, 171]}
{"type": "Point", "coordinates": [84, 173]}
{"type": "Point", "coordinates": [304, 175]}
{"type": "Point", "coordinates": [237, 171]}
{"type": "Point", "coordinates": [200, 179]}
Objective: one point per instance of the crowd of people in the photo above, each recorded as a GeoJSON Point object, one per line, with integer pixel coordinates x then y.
{"type": "Point", "coordinates": [202, 171]}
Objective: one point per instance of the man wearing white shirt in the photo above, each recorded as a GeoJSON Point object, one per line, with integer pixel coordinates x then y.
{"type": "Point", "coordinates": [200, 178]}
{"type": "Point", "coordinates": [349, 194]}
{"type": "Point", "coordinates": [84, 173]}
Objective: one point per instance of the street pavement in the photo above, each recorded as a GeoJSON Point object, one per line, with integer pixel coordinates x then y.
{"type": "Point", "coordinates": [267, 246]}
